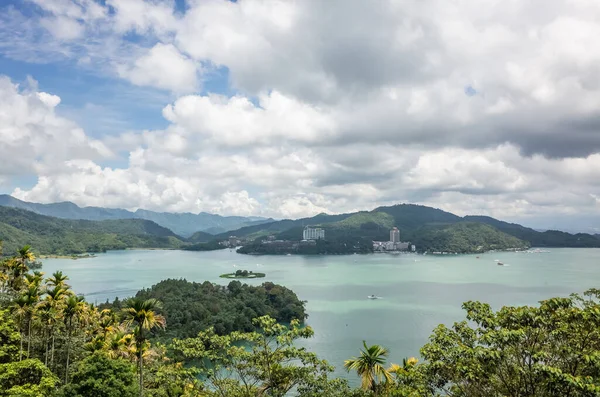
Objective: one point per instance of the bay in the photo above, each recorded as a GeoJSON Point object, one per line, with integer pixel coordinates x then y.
{"type": "Point", "coordinates": [418, 292]}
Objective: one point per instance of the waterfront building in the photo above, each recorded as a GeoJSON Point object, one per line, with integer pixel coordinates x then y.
{"type": "Point", "coordinates": [395, 235]}
{"type": "Point", "coordinates": [313, 233]}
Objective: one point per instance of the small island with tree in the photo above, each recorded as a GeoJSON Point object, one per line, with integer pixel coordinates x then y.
{"type": "Point", "coordinates": [243, 274]}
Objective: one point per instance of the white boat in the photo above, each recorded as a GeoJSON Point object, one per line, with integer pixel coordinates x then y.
{"type": "Point", "coordinates": [373, 297]}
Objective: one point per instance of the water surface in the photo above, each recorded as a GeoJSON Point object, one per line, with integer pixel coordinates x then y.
{"type": "Point", "coordinates": [418, 291]}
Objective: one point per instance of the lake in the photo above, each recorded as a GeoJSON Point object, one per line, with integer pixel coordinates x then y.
{"type": "Point", "coordinates": [418, 292]}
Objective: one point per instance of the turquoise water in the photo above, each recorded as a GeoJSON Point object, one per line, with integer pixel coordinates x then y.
{"type": "Point", "coordinates": [418, 291]}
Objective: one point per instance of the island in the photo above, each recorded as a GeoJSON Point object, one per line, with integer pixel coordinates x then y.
{"type": "Point", "coordinates": [243, 274]}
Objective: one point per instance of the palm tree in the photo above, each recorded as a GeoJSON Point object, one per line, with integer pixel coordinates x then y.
{"type": "Point", "coordinates": [140, 314]}
{"type": "Point", "coordinates": [31, 298]}
{"type": "Point", "coordinates": [52, 306]}
{"type": "Point", "coordinates": [370, 366]}
{"type": "Point", "coordinates": [20, 310]}
{"type": "Point", "coordinates": [58, 280]}
{"type": "Point", "coordinates": [74, 307]}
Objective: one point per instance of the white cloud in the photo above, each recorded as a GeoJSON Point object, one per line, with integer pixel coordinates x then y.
{"type": "Point", "coordinates": [33, 138]}
{"type": "Point", "coordinates": [63, 28]}
{"type": "Point", "coordinates": [237, 121]}
{"type": "Point", "coordinates": [163, 66]}
{"type": "Point", "coordinates": [337, 105]}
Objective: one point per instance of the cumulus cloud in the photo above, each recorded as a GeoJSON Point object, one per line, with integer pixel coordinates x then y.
{"type": "Point", "coordinates": [33, 138]}
{"type": "Point", "coordinates": [163, 66]}
{"type": "Point", "coordinates": [333, 106]}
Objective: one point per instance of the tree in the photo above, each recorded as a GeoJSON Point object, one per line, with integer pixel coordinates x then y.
{"type": "Point", "coordinates": [58, 279]}
{"type": "Point", "coordinates": [370, 367]}
{"type": "Point", "coordinates": [26, 378]}
{"type": "Point", "coordinates": [550, 350]}
{"type": "Point", "coordinates": [73, 309]}
{"type": "Point", "coordinates": [9, 338]}
{"type": "Point", "coordinates": [51, 308]}
{"type": "Point", "coordinates": [268, 365]}
{"type": "Point", "coordinates": [100, 376]}
{"type": "Point", "coordinates": [141, 315]}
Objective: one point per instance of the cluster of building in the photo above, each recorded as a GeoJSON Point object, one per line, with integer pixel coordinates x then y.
{"type": "Point", "coordinates": [311, 234]}
{"type": "Point", "coordinates": [394, 244]}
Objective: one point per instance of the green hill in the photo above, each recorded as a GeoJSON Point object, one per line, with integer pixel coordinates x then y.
{"type": "Point", "coordinates": [62, 236]}
{"type": "Point", "coordinates": [549, 238]}
{"type": "Point", "coordinates": [417, 224]}
{"type": "Point", "coordinates": [200, 237]}
{"type": "Point", "coordinates": [464, 237]}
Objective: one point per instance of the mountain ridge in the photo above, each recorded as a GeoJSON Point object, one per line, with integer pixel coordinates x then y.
{"type": "Point", "coordinates": [56, 236]}
{"type": "Point", "coordinates": [184, 224]}
{"type": "Point", "coordinates": [412, 220]}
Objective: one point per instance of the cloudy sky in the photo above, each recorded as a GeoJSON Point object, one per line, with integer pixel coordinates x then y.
{"type": "Point", "coordinates": [296, 107]}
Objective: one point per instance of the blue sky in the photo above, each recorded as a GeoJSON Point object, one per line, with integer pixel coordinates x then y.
{"type": "Point", "coordinates": [289, 109]}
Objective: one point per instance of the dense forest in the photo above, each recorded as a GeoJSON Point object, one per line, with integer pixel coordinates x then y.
{"type": "Point", "coordinates": [55, 344]}
{"type": "Point", "coordinates": [190, 307]}
{"type": "Point", "coordinates": [464, 237]}
{"type": "Point", "coordinates": [330, 246]}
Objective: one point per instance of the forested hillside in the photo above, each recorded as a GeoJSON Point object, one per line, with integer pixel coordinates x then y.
{"type": "Point", "coordinates": [192, 307]}
{"type": "Point", "coordinates": [464, 237]}
{"type": "Point", "coordinates": [549, 238]}
{"type": "Point", "coordinates": [418, 224]}
{"type": "Point", "coordinates": [61, 236]}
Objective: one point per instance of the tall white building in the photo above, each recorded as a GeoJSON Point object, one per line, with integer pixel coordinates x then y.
{"type": "Point", "coordinates": [395, 235]}
{"type": "Point", "coordinates": [313, 233]}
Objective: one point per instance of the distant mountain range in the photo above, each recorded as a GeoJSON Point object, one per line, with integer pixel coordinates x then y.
{"type": "Point", "coordinates": [183, 224]}
{"type": "Point", "coordinates": [50, 235]}
{"type": "Point", "coordinates": [429, 228]}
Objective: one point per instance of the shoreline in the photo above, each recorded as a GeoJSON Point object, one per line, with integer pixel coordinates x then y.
{"type": "Point", "coordinates": [72, 256]}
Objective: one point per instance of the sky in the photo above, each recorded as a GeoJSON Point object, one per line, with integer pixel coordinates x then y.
{"type": "Point", "coordinates": [292, 108]}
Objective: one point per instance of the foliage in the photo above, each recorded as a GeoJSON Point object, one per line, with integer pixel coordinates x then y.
{"type": "Point", "coordinates": [201, 237]}
{"type": "Point", "coordinates": [385, 220]}
{"type": "Point", "coordinates": [26, 378]}
{"type": "Point", "coordinates": [9, 338]}
{"type": "Point", "coordinates": [205, 246]}
{"type": "Point", "coordinates": [100, 376]}
{"type": "Point", "coordinates": [190, 307]}
{"type": "Point", "coordinates": [370, 367]}
{"type": "Point", "coordinates": [543, 351]}
{"type": "Point", "coordinates": [243, 274]}
{"type": "Point", "coordinates": [330, 246]}
{"type": "Point", "coordinates": [550, 350]}
{"type": "Point", "coordinates": [258, 363]}
{"type": "Point", "coordinates": [62, 236]}
{"type": "Point", "coordinates": [464, 237]}
{"type": "Point", "coordinates": [549, 238]}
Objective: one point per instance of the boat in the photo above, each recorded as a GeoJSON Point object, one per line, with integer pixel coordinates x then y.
{"type": "Point", "coordinates": [500, 263]}
{"type": "Point", "coordinates": [373, 297]}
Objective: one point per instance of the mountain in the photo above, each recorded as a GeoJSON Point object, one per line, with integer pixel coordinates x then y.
{"type": "Point", "coordinates": [421, 224]}
{"type": "Point", "coordinates": [184, 224]}
{"type": "Point", "coordinates": [275, 227]}
{"type": "Point", "coordinates": [49, 235]}
{"type": "Point", "coordinates": [548, 238]}
{"type": "Point", "coordinates": [464, 237]}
